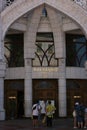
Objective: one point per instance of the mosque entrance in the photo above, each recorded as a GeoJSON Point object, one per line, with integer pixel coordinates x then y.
{"type": "Point", "coordinates": [76, 92]}
{"type": "Point", "coordinates": [14, 99]}
{"type": "Point", "coordinates": [44, 90]}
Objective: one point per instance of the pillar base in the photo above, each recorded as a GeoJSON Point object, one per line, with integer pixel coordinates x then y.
{"type": "Point", "coordinates": [2, 114]}
{"type": "Point", "coordinates": [28, 108]}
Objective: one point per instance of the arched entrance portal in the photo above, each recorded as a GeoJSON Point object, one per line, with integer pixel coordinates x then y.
{"type": "Point", "coordinates": [45, 89]}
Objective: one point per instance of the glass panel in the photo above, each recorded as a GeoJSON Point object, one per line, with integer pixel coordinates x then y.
{"type": "Point", "coordinates": [44, 12]}
{"type": "Point", "coordinates": [14, 50]}
{"type": "Point", "coordinates": [76, 50]}
{"type": "Point", "coordinates": [45, 50]}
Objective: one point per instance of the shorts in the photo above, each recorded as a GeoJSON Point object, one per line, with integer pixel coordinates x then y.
{"type": "Point", "coordinates": [80, 119]}
{"type": "Point", "coordinates": [35, 117]}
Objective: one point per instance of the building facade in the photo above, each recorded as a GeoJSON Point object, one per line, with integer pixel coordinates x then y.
{"type": "Point", "coordinates": [43, 54]}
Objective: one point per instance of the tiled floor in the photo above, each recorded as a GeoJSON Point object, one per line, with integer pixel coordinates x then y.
{"type": "Point", "coordinates": [26, 124]}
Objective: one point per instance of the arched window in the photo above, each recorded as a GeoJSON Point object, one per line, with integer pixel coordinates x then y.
{"type": "Point", "coordinates": [44, 12]}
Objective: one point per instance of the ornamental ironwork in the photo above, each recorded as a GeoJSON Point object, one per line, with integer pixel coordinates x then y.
{"type": "Point", "coordinates": [45, 51]}
{"type": "Point", "coordinates": [9, 2]}
{"type": "Point", "coordinates": [82, 3]}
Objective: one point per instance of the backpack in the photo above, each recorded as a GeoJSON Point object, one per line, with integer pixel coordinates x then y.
{"type": "Point", "coordinates": [80, 113]}
{"type": "Point", "coordinates": [34, 108]}
{"type": "Point", "coordinates": [39, 108]}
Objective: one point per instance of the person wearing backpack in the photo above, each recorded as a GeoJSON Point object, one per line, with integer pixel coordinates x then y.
{"type": "Point", "coordinates": [85, 118]}
{"type": "Point", "coordinates": [80, 116]}
{"type": "Point", "coordinates": [35, 114]}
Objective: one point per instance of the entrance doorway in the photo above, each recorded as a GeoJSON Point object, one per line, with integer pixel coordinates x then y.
{"type": "Point", "coordinates": [14, 99]}
{"type": "Point", "coordinates": [20, 105]}
{"type": "Point", "coordinates": [76, 92]}
{"type": "Point", "coordinates": [45, 89]}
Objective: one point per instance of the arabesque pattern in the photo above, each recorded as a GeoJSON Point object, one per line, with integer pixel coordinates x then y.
{"type": "Point", "coordinates": [82, 3]}
{"type": "Point", "coordinates": [22, 6]}
{"type": "Point", "coordinates": [8, 2]}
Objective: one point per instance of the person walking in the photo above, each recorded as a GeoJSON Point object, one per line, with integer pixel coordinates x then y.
{"type": "Point", "coordinates": [75, 116]}
{"type": "Point", "coordinates": [74, 119]}
{"type": "Point", "coordinates": [85, 118]}
{"type": "Point", "coordinates": [43, 110]}
{"type": "Point", "coordinates": [80, 115]}
{"type": "Point", "coordinates": [39, 107]}
{"type": "Point", "coordinates": [35, 114]}
{"type": "Point", "coordinates": [43, 113]}
{"type": "Point", "coordinates": [50, 109]}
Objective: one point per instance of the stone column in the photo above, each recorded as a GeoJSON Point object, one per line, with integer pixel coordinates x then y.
{"type": "Point", "coordinates": [29, 54]}
{"type": "Point", "coordinates": [59, 41]}
{"type": "Point", "coordinates": [28, 88]}
{"type": "Point", "coordinates": [62, 89]}
{"type": "Point", "coordinates": [2, 75]}
{"type": "Point", "coordinates": [1, 42]}
{"type": "Point", "coordinates": [2, 4]}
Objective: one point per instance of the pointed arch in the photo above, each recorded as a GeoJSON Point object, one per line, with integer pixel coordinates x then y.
{"type": "Point", "coordinates": [19, 8]}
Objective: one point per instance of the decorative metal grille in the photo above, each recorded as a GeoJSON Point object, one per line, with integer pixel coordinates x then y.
{"type": "Point", "coordinates": [45, 54]}
{"type": "Point", "coordinates": [9, 2]}
{"type": "Point", "coordinates": [82, 3]}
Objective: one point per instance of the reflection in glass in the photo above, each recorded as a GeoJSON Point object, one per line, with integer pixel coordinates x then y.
{"type": "Point", "coordinates": [14, 54]}
{"type": "Point", "coordinates": [76, 50]}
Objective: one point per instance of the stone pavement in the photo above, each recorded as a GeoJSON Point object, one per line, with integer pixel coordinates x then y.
{"type": "Point", "coordinates": [26, 124]}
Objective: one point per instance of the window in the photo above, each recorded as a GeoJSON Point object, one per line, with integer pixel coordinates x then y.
{"type": "Point", "coordinates": [44, 12]}
{"type": "Point", "coordinates": [9, 2]}
{"type": "Point", "coordinates": [14, 55]}
{"type": "Point", "coordinates": [76, 50]}
{"type": "Point", "coordinates": [44, 55]}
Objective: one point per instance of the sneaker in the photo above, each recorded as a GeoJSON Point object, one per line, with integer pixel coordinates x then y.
{"type": "Point", "coordinates": [74, 127]}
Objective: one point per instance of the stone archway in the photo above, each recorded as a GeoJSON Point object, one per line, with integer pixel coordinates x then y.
{"type": "Point", "coordinates": [21, 7]}
{"type": "Point", "coordinates": [69, 8]}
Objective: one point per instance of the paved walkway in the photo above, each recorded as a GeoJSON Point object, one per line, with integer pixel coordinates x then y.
{"type": "Point", "coordinates": [26, 124]}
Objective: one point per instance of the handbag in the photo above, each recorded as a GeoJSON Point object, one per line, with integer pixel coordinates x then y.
{"type": "Point", "coordinates": [44, 119]}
